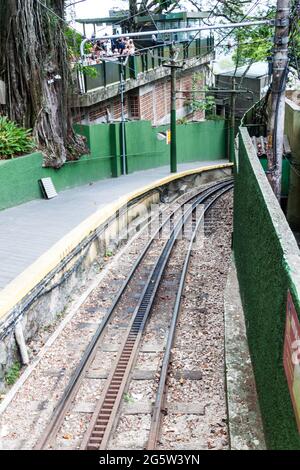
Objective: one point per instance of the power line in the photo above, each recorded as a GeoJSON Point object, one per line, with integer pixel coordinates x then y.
{"type": "Point", "coordinates": [193, 28]}
{"type": "Point", "coordinates": [58, 17]}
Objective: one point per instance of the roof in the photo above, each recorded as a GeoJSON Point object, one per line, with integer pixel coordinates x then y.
{"type": "Point", "coordinates": [256, 70]}
{"type": "Point", "coordinates": [181, 15]}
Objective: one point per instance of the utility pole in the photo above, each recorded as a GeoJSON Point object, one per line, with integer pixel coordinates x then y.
{"type": "Point", "coordinates": [276, 122]}
{"type": "Point", "coordinates": [122, 91]}
{"type": "Point", "coordinates": [173, 147]}
{"type": "Point", "coordinates": [232, 122]}
{"type": "Point", "coordinates": [173, 156]}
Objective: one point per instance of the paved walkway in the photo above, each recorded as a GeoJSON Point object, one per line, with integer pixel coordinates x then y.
{"type": "Point", "coordinates": [27, 231]}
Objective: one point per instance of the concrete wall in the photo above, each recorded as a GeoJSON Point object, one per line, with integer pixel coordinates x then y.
{"type": "Point", "coordinates": [292, 129]}
{"type": "Point", "coordinates": [196, 141]}
{"type": "Point", "coordinates": [268, 265]}
{"type": "Point", "coordinates": [243, 100]}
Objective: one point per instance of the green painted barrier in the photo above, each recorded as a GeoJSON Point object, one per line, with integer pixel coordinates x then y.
{"type": "Point", "coordinates": [109, 73]}
{"type": "Point", "coordinates": [268, 266]}
{"type": "Point", "coordinates": [197, 141]}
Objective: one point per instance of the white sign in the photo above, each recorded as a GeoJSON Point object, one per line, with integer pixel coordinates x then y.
{"type": "Point", "coordinates": [2, 92]}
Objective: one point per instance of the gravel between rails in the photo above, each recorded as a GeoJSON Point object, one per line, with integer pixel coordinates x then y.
{"type": "Point", "coordinates": [196, 372]}
{"type": "Point", "coordinates": [199, 343]}
{"type": "Point", "coordinates": [28, 413]}
{"type": "Point", "coordinates": [205, 428]}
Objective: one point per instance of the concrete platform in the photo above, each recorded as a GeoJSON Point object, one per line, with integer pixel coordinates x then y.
{"type": "Point", "coordinates": [29, 231]}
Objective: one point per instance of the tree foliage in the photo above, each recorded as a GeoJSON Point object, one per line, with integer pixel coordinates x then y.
{"type": "Point", "coordinates": [294, 41]}
{"type": "Point", "coordinates": [229, 10]}
{"type": "Point", "coordinates": [143, 7]}
{"type": "Point", "coordinates": [255, 43]}
{"type": "Point", "coordinates": [156, 6]}
{"type": "Point", "coordinates": [35, 69]}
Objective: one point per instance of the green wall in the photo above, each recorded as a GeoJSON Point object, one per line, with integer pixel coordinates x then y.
{"type": "Point", "coordinates": [285, 177]}
{"type": "Point", "coordinates": [292, 129]}
{"type": "Point", "coordinates": [268, 264]}
{"type": "Point", "coordinates": [196, 141]}
{"type": "Point", "coordinates": [19, 177]}
{"type": "Point", "coordinates": [143, 149]}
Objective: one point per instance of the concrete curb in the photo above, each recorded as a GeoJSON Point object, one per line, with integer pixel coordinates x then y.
{"type": "Point", "coordinates": [245, 423]}
{"type": "Point", "coordinates": [14, 292]}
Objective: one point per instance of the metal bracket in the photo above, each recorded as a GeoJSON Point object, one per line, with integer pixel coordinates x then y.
{"type": "Point", "coordinates": [281, 41]}
{"type": "Point", "coordinates": [282, 22]}
{"type": "Point", "coordinates": [173, 66]}
{"type": "Point", "coordinates": [279, 68]}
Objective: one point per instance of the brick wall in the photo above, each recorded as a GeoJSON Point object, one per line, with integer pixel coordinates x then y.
{"type": "Point", "coordinates": [117, 108]}
{"type": "Point", "coordinates": [146, 106]}
{"type": "Point", "coordinates": [99, 111]}
{"type": "Point", "coordinates": [160, 102]}
{"type": "Point", "coordinates": [151, 102]}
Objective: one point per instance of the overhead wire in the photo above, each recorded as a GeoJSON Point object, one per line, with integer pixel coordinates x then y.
{"type": "Point", "coordinates": [198, 32]}
{"type": "Point", "coordinates": [152, 47]}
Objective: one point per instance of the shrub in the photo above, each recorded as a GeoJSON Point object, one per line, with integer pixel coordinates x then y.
{"type": "Point", "coordinates": [14, 140]}
{"type": "Point", "coordinates": [13, 374]}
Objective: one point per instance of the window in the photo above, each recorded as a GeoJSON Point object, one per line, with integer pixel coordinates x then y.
{"type": "Point", "coordinates": [134, 107]}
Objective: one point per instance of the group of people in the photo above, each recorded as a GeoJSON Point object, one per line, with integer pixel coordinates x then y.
{"type": "Point", "coordinates": [118, 47]}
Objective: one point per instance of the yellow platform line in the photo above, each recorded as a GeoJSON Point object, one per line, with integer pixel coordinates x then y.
{"type": "Point", "coordinates": [17, 289]}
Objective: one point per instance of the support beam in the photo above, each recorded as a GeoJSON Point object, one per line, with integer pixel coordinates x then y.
{"type": "Point", "coordinates": [173, 155]}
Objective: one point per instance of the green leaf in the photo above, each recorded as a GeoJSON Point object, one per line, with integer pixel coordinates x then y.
{"type": "Point", "coordinates": [14, 140]}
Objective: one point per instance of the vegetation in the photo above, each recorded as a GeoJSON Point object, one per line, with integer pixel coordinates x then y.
{"type": "Point", "coordinates": [86, 70]}
{"type": "Point", "coordinates": [108, 254]}
{"type": "Point", "coordinates": [128, 398]}
{"type": "Point", "coordinates": [13, 374]}
{"type": "Point", "coordinates": [14, 140]}
{"type": "Point", "coordinates": [73, 42]}
{"type": "Point", "coordinates": [198, 101]}
{"type": "Point", "coordinates": [254, 44]}
{"type": "Point", "coordinates": [136, 7]}
{"type": "Point", "coordinates": [35, 68]}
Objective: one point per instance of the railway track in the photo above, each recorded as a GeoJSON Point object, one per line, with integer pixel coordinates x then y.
{"type": "Point", "coordinates": [125, 327]}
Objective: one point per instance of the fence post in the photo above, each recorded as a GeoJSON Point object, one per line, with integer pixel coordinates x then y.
{"type": "Point", "coordinates": [115, 149]}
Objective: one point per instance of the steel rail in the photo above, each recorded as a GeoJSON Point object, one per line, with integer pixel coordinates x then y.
{"type": "Point", "coordinates": [160, 394]}
{"type": "Point", "coordinates": [100, 427]}
{"type": "Point", "coordinates": [89, 354]}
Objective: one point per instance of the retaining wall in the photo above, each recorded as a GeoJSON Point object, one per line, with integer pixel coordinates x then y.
{"type": "Point", "coordinates": [268, 265]}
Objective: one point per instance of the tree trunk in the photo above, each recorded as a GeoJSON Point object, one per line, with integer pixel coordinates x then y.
{"type": "Point", "coordinates": [133, 10]}
{"type": "Point", "coordinates": [35, 68]}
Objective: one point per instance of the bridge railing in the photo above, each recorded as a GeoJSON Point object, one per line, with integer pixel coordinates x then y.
{"type": "Point", "coordinates": [108, 71]}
